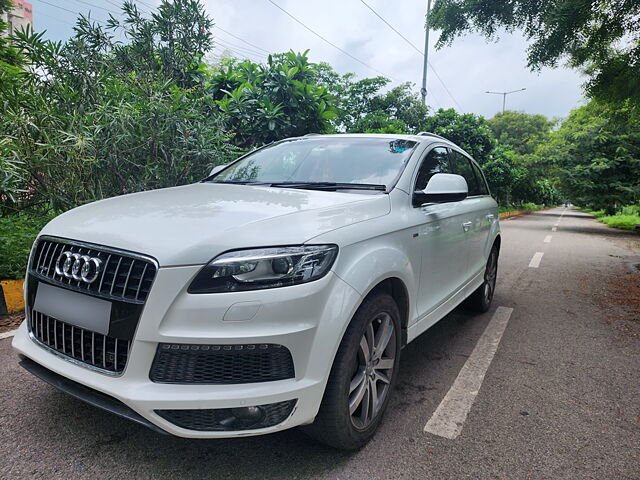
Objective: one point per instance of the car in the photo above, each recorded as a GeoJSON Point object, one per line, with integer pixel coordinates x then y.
{"type": "Point", "coordinates": [278, 292]}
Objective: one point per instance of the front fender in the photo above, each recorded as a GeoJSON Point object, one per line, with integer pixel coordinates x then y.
{"type": "Point", "coordinates": [365, 265]}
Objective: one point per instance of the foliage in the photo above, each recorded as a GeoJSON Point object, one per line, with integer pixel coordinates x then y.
{"type": "Point", "coordinates": [102, 117]}
{"type": "Point", "coordinates": [469, 131]}
{"type": "Point", "coordinates": [523, 132]}
{"type": "Point", "coordinates": [601, 37]}
{"type": "Point", "coordinates": [595, 155]}
{"type": "Point", "coordinates": [264, 103]}
{"type": "Point", "coordinates": [625, 222]}
{"type": "Point", "coordinates": [17, 233]}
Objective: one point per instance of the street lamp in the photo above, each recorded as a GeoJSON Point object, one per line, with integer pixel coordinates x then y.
{"type": "Point", "coordinates": [504, 95]}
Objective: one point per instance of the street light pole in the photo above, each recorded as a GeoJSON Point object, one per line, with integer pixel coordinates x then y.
{"type": "Point", "coordinates": [504, 96]}
{"type": "Point", "coordinates": [423, 90]}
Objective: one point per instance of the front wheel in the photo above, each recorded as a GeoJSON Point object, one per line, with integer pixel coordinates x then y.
{"type": "Point", "coordinates": [362, 376]}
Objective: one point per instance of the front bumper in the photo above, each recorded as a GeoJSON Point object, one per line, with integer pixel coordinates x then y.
{"type": "Point", "coordinates": [307, 319]}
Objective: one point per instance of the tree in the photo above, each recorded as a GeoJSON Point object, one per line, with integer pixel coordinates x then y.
{"type": "Point", "coordinates": [602, 37]}
{"type": "Point", "coordinates": [521, 131]}
{"type": "Point", "coordinates": [596, 156]}
{"type": "Point", "coordinates": [97, 116]}
{"type": "Point", "coordinates": [469, 131]}
{"type": "Point", "coordinates": [269, 102]}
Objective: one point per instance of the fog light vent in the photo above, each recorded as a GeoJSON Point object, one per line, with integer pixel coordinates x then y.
{"type": "Point", "coordinates": [230, 419]}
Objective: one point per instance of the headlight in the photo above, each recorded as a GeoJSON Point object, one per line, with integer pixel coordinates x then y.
{"type": "Point", "coordinates": [264, 268]}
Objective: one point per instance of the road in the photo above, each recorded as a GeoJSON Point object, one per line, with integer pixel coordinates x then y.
{"type": "Point", "coordinates": [559, 399]}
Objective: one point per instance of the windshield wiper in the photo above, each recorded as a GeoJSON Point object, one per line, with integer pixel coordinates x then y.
{"type": "Point", "coordinates": [330, 186]}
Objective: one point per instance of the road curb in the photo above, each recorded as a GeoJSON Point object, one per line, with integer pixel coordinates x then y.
{"type": "Point", "coordinates": [11, 299]}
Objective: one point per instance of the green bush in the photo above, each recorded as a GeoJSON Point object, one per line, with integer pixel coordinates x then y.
{"type": "Point", "coordinates": [17, 233]}
{"type": "Point", "coordinates": [625, 222]}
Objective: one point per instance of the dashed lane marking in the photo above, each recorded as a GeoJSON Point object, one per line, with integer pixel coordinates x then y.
{"type": "Point", "coordinates": [448, 419]}
{"type": "Point", "coordinates": [547, 239]}
{"type": "Point", "coordinates": [535, 260]}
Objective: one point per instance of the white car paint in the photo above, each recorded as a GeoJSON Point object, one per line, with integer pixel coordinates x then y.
{"type": "Point", "coordinates": [437, 251]}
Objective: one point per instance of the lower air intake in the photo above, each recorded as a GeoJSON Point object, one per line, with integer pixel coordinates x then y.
{"type": "Point", "coordinates": [221, 364]}
{"type": "Point", "coordinates": [230, 419]}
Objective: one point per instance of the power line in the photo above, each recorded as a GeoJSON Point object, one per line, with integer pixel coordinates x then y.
{"type": "Point", "coordinates": [329, 42]}
{"type": "Point", "coordinates": [392, 28]}
{"type": "Point", "coordinates": [251, 50]}
{"type": "Point", "coordinates": [415, 48]}
{"type": "Point", "coordinates": [246, 51]}
{"type": "Point", "coordinates": [241, 39]}
{"type": "Point", "coordinates": [102, 22]}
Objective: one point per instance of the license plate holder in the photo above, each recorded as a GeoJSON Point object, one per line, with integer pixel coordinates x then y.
{"type": "Point", "coordinates": [73, 308]}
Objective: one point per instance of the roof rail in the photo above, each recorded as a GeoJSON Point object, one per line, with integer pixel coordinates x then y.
{"type": "Point", "coordinates": [432, 135]}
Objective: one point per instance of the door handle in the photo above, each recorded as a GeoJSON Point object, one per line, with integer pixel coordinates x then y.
{"type": "Point", "coordinates": [466, 226]}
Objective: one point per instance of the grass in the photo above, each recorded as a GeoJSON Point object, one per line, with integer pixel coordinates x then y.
{"type": "Point", "coordinates": [625, 222]}
{"type": "Point", "coordinates": [17, 233]}
{"type": "Point", "coordinates": [528, 207]}
{"type": "Point", "coordinates": [626, 219]}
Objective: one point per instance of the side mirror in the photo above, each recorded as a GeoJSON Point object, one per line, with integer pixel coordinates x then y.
{"type": "Point", "coordinates": [216, 169]}
{"type": "Point", "coordinates": [442, 188]}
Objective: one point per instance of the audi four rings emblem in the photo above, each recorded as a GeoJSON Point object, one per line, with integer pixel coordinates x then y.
{"type": "Point", "coordinates": [78, 267]}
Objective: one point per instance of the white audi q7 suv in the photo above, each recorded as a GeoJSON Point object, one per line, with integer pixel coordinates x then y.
{"type": "Point", "coordinates": [277, 292]}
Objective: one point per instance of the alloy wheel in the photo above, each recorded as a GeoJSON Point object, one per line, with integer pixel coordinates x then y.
{"type": "Point", "coordinates": [373, 370]}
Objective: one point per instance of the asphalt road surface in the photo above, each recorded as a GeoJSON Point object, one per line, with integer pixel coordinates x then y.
{"type": "Point", "coordinates": [558, 397]}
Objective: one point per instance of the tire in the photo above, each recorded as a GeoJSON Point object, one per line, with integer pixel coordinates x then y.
{"type": "Point", "coordinates": [343, 422]}
{"type": "Point", "coordinates": [480, 300]}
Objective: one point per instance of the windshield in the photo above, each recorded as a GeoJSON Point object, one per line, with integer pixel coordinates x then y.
{"type": "Point", "coordinates": [323, 160]}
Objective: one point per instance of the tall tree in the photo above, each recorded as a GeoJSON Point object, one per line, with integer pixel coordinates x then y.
{"type": "Point", "coordinates": [521, 131]}
{"type": "Point", "coordinates": [602, 37]}
{"type": "Point", "coordinates": [596, 156]}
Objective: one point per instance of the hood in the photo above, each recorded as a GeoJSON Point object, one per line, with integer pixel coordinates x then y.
{"type": "Point", "coordinates": [190, 225]}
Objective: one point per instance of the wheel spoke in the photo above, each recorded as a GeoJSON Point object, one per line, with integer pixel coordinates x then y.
{"type": "Point", "coordinates": [357, 380]}
{"type": "Point", "coordinates": [366, 402]}
{"type": "Point", "coordinates": [370, 337]}
{"type": "Point", "coordinates": [383, 377]}
{"type": "Point", "coordinates": [385, 364]}
{"type": "Point", "coordinates": [357, 398]}
{"type": "Point", "coordinates": [373, 391]}
{"type": "Point", "coordinates": [385, 331]}
{"type": "Point", "coordinates": [364, 347]}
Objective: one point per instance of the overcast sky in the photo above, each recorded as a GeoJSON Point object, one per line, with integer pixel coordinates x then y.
{"type": "Point", "coordinates": [468, 68]}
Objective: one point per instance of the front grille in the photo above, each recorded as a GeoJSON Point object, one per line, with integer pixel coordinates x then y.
{"type": "Point", "coordinates": [100, 351]}
{"type": "Point", "coordinates": [124, 276]}
{"type": "Point", "coordinates": [228, 419]}
{"type": "Point", "coordinates": [221, 364]}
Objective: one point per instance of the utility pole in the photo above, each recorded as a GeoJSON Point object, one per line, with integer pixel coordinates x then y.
{"type": "Point", "coordinates": [423, 90]}
{"type": "Point", "coordinates": [504, 96]}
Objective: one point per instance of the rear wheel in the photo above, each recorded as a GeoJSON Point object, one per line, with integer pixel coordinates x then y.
{"type": "Point", "coordinates": [362, 376]}
{"type": "Point", "coordinates": [480, 300]}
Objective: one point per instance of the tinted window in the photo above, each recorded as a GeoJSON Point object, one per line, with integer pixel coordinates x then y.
{"type": "Point", "coordinates": [462, 166]}
{"type": "Point", "coordinates": [324, 159]}
{"type": "Point", "coordinates": [436, 161]}
{"type": "Point", "coordinates": [482, 184]}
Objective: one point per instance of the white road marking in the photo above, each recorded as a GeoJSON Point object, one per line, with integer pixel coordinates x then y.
{"type": "Point", "coordinates": [547, 239]}
{"type": "Point", "coordinates": [554, 229]}
{"type": "Point", "coordinates": [448, 419]}
{"type": "Point", "coordinates": [535, 260]}
{"type": "Point", "coordinates": [8, 334]}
